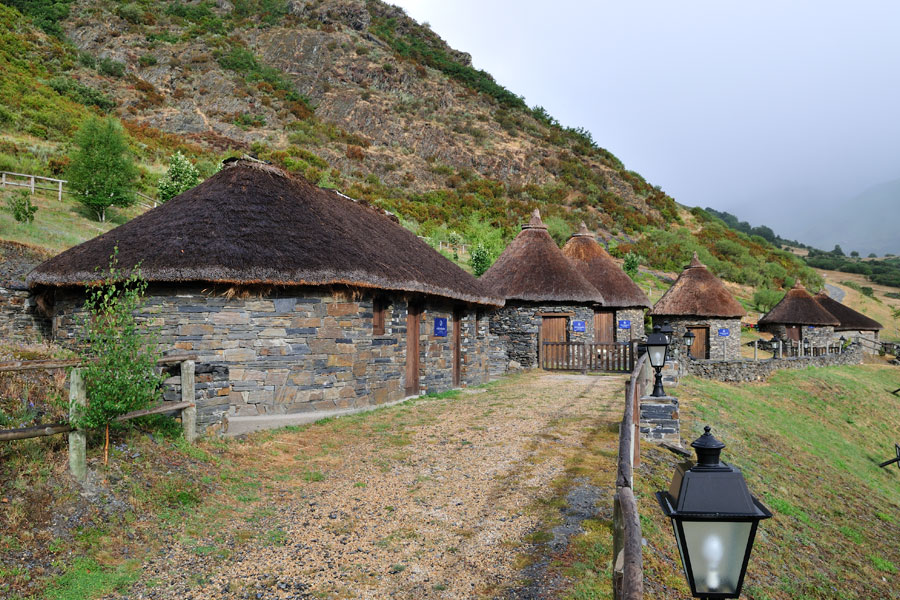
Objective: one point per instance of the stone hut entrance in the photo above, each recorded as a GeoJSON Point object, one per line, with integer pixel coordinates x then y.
{"type": "Point", "coordinates": [413, 316]}
{"type": "Point", "coordinates": [700, 348]}
{"type": "Point", "coordinates": [604, 327]}
{"type": "Point", "coordinates": [553, 329]}
{"type": "Point", "coordinates": [793, 333]}
{"type": "Point", "coordinates": [457, 347]}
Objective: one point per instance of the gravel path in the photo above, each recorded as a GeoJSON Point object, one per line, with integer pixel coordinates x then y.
{"type": "Point", "coordinates": [835, 292]}
{"type": "Point", "coordinates": [429, 500]}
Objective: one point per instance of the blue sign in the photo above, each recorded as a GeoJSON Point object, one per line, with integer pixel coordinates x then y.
{"type": "Point", "coordinates": [811, 327]}
{"type": "Point", "coordinates": [578, 326]}
{"type": "Point", "coordinates": [724, 332]}
{"type": "Point", "coordinates": [624, 324]}
{"type": "Point", "coordinates": [440, 327]}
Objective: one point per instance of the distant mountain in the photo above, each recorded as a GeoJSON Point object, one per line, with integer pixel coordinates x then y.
{"type": "Point", "coordinates": [868, 222]}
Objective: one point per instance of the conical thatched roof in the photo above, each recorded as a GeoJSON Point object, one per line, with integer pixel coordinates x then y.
{"type": "Point", "coordinates": [849, 318]}
{"type": "Point", "coordinates": [252, 223]}
{"type": "Point", "coordinates": [698, 293]}
{"type": "Point", "coordinates": [533, 269]}
{"type": "Point", "coordinates": [798, 307]}
{"type": "Point", "coordinates": [598, 267]}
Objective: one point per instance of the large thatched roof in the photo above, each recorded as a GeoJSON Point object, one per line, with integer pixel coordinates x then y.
{"type": "Point", "coordinates": [849, 318]}
{"type": "Point", "coordinates": [598, 267]}
{"type": "Point", "coordinates": [698, 293]}
{"type": "Point", "coordinates": [252, 223]}
{"type": "Point", "coordinates": [798, 307]}
{"type": "Point", "coordinates": [533, 269]}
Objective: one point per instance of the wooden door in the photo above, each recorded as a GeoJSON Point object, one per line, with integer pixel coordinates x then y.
{"type": "Point", "coordinates": [457, 348]}
{"type": "Point", "coordinates": [604, 327]}
{"type": "Point", "coordinates": [553, 329]}
{"type": "Point", "coordinates": [792, 332]}
{"type": "Point", "coordinates": [412, 349]}
{"type": "Point", "coordinates": [700, 347]}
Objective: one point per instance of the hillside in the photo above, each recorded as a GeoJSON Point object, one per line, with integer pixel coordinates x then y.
{"type": "Point", "coordinates": [348, 93]}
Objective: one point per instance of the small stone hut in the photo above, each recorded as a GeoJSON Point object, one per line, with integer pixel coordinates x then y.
{"type": "Point", "coordinates": [698, 301]}
{"type": "Point", "coordinates": [854, 326]}
{"type": "Point", "coordinates": [547, 299]}
{"type": "Point", "coordinates": [300, 302]}
{"type": "Point", "coordinates": [621, 318]}
{"type": "Point", "coordinates": [798, 317]}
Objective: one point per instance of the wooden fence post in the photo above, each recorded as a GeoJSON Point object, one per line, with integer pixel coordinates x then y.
{"type": "Point", "coordinates": [188, 415]}
{"type": "Point", "coordinates": [755, 349]}
{"type": "Point", "coordinates": [59, 195]}
{"type": "Point", "coordinates": [77, 438]}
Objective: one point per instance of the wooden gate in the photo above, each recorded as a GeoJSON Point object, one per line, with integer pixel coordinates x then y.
{"type": "Point", "coordinates": [578, 356]}
{"type": "Point", "coordinates": [700, 347]}
{"type": "Point", "coordinates": [604, 327]}
{"type": "Point", "coordinates": [553, 329]}
{"type": "Point", "coordinates": [412, 349]}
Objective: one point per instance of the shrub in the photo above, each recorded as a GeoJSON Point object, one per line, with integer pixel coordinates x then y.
{"type": "Point", "coordinates": [21, 207]}
{"type": "Point", "coordinates": [131, 12]}
{"type": "Point", "coordinates": [110, 67]}
{"type": "Point", "coordinates": [630, 266]}
{"type": "Point", "coordinates": [182, 175]}
{"type": "Point", "coordinates": [79, 92]}
{"type": "Point", "coordinates": [102, 172]}
{"type": "Point", "coordinates": [147, 60]}
{"type": "Point", "coordinates": [764, 299]}
{"type": "Point", "coordinates": [355, 152]}
{"type": "Point", "coordinates": [479, 260]}
{"type": "Point", "coordinates": [121, 373]}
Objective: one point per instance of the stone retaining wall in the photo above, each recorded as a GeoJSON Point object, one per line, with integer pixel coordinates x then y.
{"type": "Point", "coordinates": [749, 370]}
{"type": "Point", "coordinates": [659, 419]}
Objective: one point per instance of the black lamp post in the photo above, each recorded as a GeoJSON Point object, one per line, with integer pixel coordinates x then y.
{"type": "Point", "coordinates": [843, 342]}
{"type": "Point", "coordinates": [689, 341]}
{"type": "Point", "coordinates": [715, 520]}
{"type": "Point", "coordinates": [657, 348]}
{"type": "Point", "coordinates": [667, 331]}
{"type": "Point", "coordinates": [806, 347]}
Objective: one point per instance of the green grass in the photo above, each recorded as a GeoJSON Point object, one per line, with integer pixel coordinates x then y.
{"type": "Point", "coordinates": [809, 443]}
{"type": "Point", "coordinates": [86, 578]}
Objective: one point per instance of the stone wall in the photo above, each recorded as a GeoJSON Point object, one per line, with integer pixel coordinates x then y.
{"type": "Point", "coordinates": [817, 336]}
{"type": "Point", "coordinates": [304, 350]}
{"type": "Point", "coordinates": [636, 316]}
{"type": "Point", "coordinates": [749, 370]}
{"type": "Point", "coordinates": [727, 348]}
{"type": "Point", "coordinates": [20, 320]}
{"type": "Point", "coordinates": [869, 339]}
{"type": "Point", "coordinates": [659, 419]}
{"type": "Point", "coordinates": [517, 327]}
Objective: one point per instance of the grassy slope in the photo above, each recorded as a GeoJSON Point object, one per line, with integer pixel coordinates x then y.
{"type": "Point", "coordinates": [881, 308]}
{"type": "Point", "coordinates": [808, 443]}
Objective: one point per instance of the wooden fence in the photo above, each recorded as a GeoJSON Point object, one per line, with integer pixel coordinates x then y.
{"type": "Point", "coordinates": [77, 398]}
{"type": "Point", "coordinates": [14, 179]}
{"type": "Point", "coordinates": [628, 570]}
{"type": "Point", "coordinates": [580, 356]}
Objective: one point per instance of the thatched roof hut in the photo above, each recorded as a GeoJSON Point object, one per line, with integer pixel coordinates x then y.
{"type": "Point", "coordinates": [598, 267]}
{"type": "Point", "coordinates": [798, 307]}
{"type": "Point", "coordinates": [849, 318]}
{"type": "Point", "coordinates": [533, 269]}
{"type": "Point", "coordinates": [698, 293]}
{"type": "Point", "coordinates": [252, 223]}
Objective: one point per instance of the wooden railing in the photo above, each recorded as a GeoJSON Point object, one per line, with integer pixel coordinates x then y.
{"type": "Point", "coordinates": [628, 570]}
{"type": "Point", "coordinates": [8, 178]}
{"type": "Point", "coordinates": [580, 356]}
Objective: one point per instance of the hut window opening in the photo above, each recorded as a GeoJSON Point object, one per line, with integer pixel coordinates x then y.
{"type": "Point", "coordinates": [379, 307]}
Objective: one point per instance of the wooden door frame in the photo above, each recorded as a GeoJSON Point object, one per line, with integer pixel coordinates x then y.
{"type": "Point", "coordinates": [413, 318]}
{"type": "Point", "coordinates": [457, 348]}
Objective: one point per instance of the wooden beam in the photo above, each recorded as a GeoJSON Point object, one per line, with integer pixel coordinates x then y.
{"type": "Point", "coordinates": [33, 432]}
{"type": "Point", "coordinates": [33, 365]}
{"type": "Point", "coordinates": [156, 410]}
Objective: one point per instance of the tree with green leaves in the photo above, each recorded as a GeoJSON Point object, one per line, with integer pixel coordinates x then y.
{"type": "Point", "coordinates": [181, 176]}
{"type": "Point", "coordinates": [632, 262]}
{"type": "Point", "coordinates": [120, 354]}
{"type": "Point", "coordinates": [102, 173]}
{"type": "Point", "coordinates": [479, 259]}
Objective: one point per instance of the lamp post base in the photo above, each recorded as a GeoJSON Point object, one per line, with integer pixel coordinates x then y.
{"type": "Point", "coordinates": [658, 390]}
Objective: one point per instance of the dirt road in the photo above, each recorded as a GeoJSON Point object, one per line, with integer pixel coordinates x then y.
{"type": "Point", "coordinates": [438, 498]}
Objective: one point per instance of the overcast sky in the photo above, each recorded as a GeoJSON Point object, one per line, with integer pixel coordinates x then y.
{"type": "Point", "coordinates": [766, 109]}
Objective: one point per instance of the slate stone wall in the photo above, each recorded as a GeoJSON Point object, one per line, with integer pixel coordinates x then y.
{"type": "Point", "coordinates": [720, 348]}
{"type": "Point", "coordinates": [636, 316]}
{"type": "Point", "coordinates": [20, 320]}
{"type": "Point", "coordinates": [303, 350]}
{"type": "Point", "coordinates": [749, 370]}
{"type": "Point", "coordinates": [870, 340]}
{"type": "Point", "coordinates": [817, 336]}
{"type": "Point", "coordinates": [659, 419]}
{"type": "Point", "coordinates": [517, 327]}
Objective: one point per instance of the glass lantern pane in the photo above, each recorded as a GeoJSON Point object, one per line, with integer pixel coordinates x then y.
{"type": "Point", "coordinates": [716, 551]}
{"type": "Point", "coordinates": [657, 355]}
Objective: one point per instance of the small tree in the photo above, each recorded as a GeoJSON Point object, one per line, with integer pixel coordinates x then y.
{"type": "Point", "coordinates": [21, 207]}
{"type": "Point", "coordinates": [182, 175]}
{"type": "Point", "coordinates": [632, 261]}
{"type": "Point", "coordinates": [101, 172]}
{"type": "Point", "coordinates": [479, 259]}
{"type": "Point", "coordinates": [121, 373]}
{"type": "Point", "coordinates": [764, 299]}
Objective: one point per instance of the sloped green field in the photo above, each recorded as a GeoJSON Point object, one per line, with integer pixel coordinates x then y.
{"type": "Point", "coordinates": [809, 443]}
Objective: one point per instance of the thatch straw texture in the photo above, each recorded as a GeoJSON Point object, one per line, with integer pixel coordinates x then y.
{"type": "Point", "coordinates": [798, 307]}
{"type": "Point", "coordinates": [533, 269]}
{"type": "Point", "coordinates": [598, 267]}
{"type": "Point", "coordinates": [849, 318]}
{"type": "Point", "coordinates": [252, 223]}
{"type": "Point", "coordinates": [698, 293]}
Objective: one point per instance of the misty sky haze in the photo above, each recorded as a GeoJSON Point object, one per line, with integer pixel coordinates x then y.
{"type": "Point", "coordinates": [768, 110]}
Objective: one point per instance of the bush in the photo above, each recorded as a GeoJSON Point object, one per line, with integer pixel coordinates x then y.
{"type": "Point", "coordinates": [21, 207]}
{"type": "Point", "coordinates": [121, 374]}
{"type": "Point", "coordinates": [182, 175]}
{"type": "Point", "coordinates": [101, 173]}
{"type": "Point", "coordinates": [111, 68]}
{"type": "Point", "coordinates": [147, 60]}
{"type": "Point", "coordinates": [479, 260]}
{"type": "Point", "coordinates": [764, 299]}
{"type": "Point", "coordinates": [630, 266]}
{"type": "Point", "coordinates": [84, 94]}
